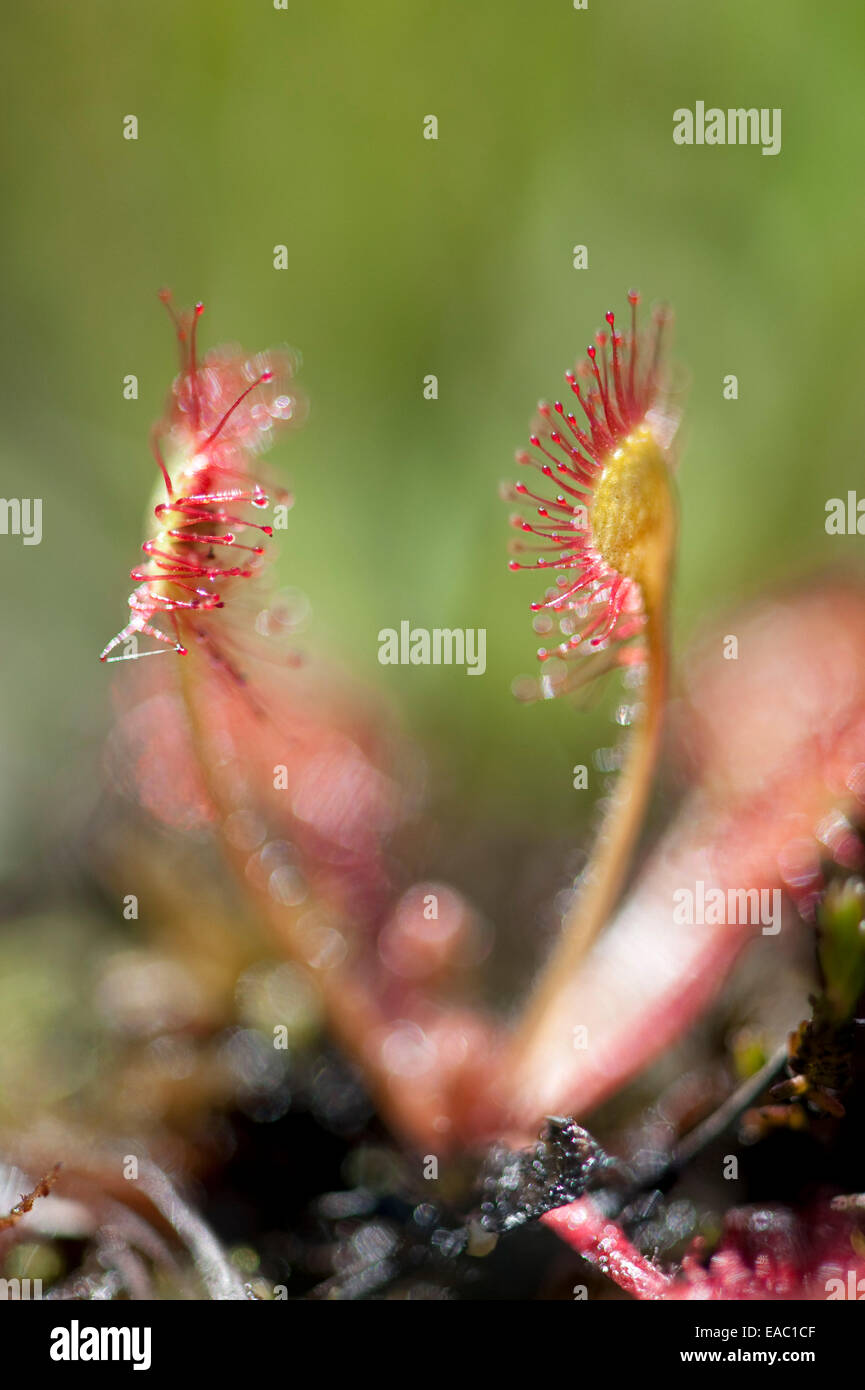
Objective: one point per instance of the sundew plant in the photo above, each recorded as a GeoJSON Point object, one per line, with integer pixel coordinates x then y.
{"type": "Point", "coordinates": [468, 904]}
{"type": "Point", "coordinates": [302, 796]}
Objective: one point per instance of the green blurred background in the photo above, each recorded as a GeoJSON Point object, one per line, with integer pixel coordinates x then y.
{"type": "Point", "coordinates": [409, 257]}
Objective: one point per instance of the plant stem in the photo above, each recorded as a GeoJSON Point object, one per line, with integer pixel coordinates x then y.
{"type": "Point", "coordinates": [350, 1001]}
{"type": "Point", "coordinates": [703, 1135]}
{"type": "Point", "coordinates": [598, 894]}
